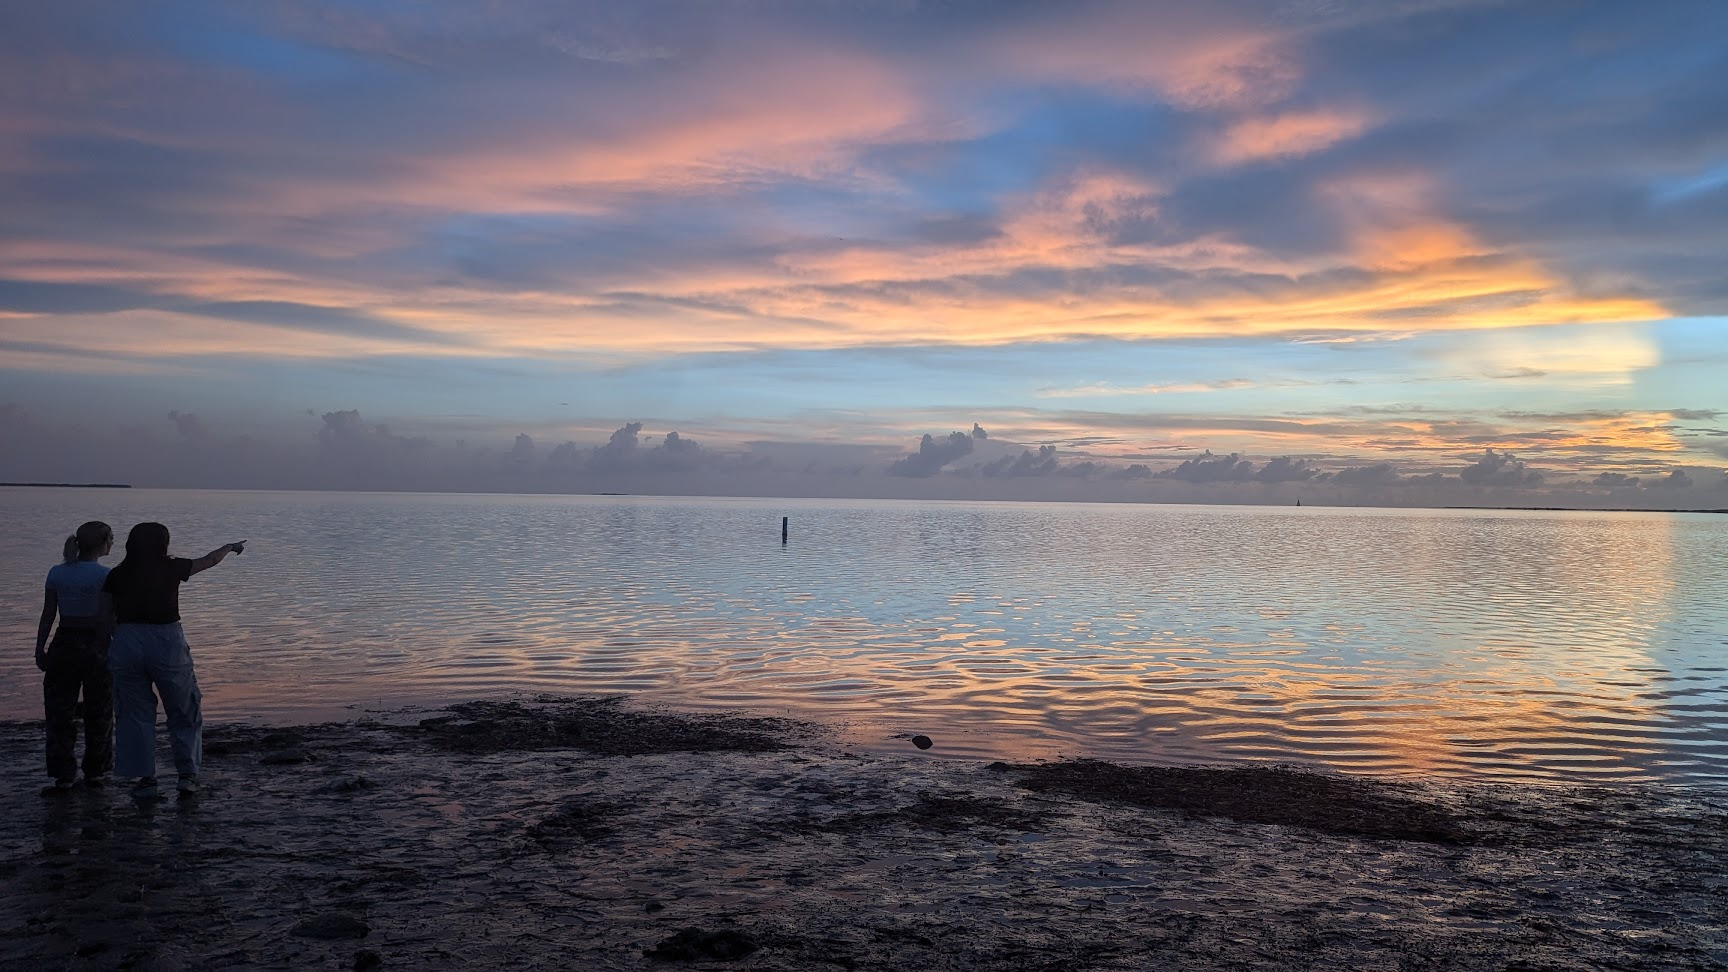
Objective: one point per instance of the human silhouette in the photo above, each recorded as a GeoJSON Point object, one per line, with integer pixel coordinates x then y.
{"type": "Point", "coordinates": [149, 656]}
{"type": "Point", "coordinates": [75, 662]}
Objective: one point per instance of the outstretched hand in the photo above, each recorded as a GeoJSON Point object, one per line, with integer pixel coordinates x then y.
{"type": "Point", "coordinates": [238, 548]}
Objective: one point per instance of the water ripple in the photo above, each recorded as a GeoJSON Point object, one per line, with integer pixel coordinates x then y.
{"type": "Point", "coordinates": [1478, 644]}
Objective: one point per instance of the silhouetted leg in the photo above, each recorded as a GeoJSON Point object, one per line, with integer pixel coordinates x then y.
{"type": "Point", "coordinates": [59, 704]}
{"type": "Point", "coordinates": [98, 714]}
{"type": "Point", "coordinates": [134, 703]}
{"type": "Point", "coordinates": [171, 669]}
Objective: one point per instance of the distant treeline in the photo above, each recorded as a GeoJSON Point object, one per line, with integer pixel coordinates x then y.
{"type": "Point", "coordinates": [1581, 509]}
{"type": "Point", "coordinates": [74, 485]}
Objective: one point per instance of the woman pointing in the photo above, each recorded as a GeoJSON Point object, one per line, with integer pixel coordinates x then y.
{"type": "Point", "coordinates": [149, 656]}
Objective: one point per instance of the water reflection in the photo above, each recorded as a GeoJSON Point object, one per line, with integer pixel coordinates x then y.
{"type": "Point", "coordinates": [1465, 643]}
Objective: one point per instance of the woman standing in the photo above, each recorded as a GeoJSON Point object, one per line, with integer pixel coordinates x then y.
{"type": "Point", "coordinates": [76, 661]}
{"type": "Point", "coordinates": [150, 652]}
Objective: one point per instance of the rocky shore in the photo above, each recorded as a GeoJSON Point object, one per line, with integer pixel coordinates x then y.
{"type": "Point", "coordinates": [590, 834]}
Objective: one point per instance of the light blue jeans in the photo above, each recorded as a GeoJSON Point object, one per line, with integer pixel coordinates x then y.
{"type": "Point", "coordinates": [147, 659]}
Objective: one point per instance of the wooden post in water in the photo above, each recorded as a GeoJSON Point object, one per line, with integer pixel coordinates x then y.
{"type": "Point", "coordinates": [783, 530]}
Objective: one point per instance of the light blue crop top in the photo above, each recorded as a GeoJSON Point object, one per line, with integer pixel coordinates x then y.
{"type": "Point", "coordinates": [78, 586]}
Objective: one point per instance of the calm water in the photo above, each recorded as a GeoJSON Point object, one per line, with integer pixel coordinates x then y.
{"type": "Point", "coordinates": [1554, 646]}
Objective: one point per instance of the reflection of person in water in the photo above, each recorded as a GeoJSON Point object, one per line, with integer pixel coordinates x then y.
{"type": "Point", "coordinates": [150, 652]}
{"type": "Point", "coordinates": [76, 661]}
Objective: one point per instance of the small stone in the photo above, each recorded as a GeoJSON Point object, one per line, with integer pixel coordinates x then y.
{"type": "Point", "coordinates": [332, 925]}
{"type": "Point", "coordinates": [999, 767]}
{"type": "Point", "coordinates": [366, 959]}
{"type": "Point", "coordinates": [922, 742]}
{"type": "Point", "coordinates": [653, 906]}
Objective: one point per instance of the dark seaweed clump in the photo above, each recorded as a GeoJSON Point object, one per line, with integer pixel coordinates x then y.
{"type": "Point", "coordinates": [602, 726]}
{"type": "Point", "coordinates": [1326, 803]}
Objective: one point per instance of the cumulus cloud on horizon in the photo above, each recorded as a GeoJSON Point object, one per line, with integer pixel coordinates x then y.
{"type": "Point", "coordinates": [341, 449]}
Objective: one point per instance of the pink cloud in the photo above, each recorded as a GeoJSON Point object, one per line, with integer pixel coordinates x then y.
{"type": "Point", "coordinates": [1285, 135]}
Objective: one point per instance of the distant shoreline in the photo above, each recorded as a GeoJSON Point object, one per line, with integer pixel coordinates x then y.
{"type": "Point", "coordinates": [73, 485]}
{"type": "Point", "coordinates": [1579, 509]}
{"type": "Point", "coordinates": [911, 499]}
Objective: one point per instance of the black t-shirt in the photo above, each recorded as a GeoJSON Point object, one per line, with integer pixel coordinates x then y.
{"type": "Point", "coordinates": [147, 592]}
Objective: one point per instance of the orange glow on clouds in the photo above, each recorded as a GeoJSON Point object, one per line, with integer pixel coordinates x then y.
{"type": "Point", "coordinates": [1285, 136]}
{"type": "Point", "coordinates": [1416, 444]}
{"type": "Point", "coordinates": [1412, 278]}
{"type": "Point", "coordinates": [736, 118]}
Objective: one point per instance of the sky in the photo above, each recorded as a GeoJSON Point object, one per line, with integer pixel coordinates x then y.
{"type": "Point", "coordinates": [1397, 252]}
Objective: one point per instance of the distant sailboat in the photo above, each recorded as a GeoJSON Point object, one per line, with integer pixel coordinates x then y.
{"type": "Point", "coordinates": [1298, 501]}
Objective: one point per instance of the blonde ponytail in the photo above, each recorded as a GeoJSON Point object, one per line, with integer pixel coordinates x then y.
{"type": "Point", "coordinates": [90, 538]}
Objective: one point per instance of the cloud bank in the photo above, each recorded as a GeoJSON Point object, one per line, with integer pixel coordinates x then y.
{"type": "Point", "coordinates": [1342, 242]}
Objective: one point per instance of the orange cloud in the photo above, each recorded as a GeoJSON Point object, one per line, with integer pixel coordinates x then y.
{"type": "Point", "coordinates": [1284, 136]}
{"type": "Point", "coordinates": [804, 115]}
{"type": "Point", "coordinates": [148, 335]}
{"type": "Point", "coordinates": [1565, 439]}
{"type": "Point", "coordinates": [1422, 272]}
{"type": "Point", "coordinates": [737, 122]}
{"type": "Point", "coordinates": [1418, 443]}
{"type": "Point", "coordinates": [1410, 271]}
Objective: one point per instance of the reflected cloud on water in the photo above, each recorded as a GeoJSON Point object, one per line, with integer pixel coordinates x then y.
{"type": "Point", "coordinates": [1453, 643]}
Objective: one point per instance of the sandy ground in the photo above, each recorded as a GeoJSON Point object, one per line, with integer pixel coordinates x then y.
{"type": "Point", "coordinates": [585, 834]}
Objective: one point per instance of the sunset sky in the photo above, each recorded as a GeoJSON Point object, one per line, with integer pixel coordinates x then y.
{"type": "Point", "coordinates": [1395, 251]}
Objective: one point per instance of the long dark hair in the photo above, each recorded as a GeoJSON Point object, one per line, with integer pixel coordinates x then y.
{"type": "Point", "coordinates": [147, 541]}
{"type": "Point", "coordinates": [90, 538]}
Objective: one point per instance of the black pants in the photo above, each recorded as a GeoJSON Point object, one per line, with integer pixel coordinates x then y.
{"type": "Point", "coordinates": [78, 664]}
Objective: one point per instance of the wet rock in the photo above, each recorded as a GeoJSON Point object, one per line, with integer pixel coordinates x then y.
{"type": "Point", "coordinates": [352, 785]}
{"type": "Point", "coordinates": [653, 906]}
{"type": "Point", "coordinates": [332, 925]}
{"type": "Point", "coordinates": [1327, 803]}
{"type": "Point", "coordinates": [599, 726]}
{"type": "Point", "coordinates": [366, 960]}
{"type": "Point", "coordinates": [694, 944]}
{"type": "Point", "coordinates": [998, 767]}
{"type": "Point", "coordinates": [922, 742]}
{"type": "Point", "coordinates": [286, 757]}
